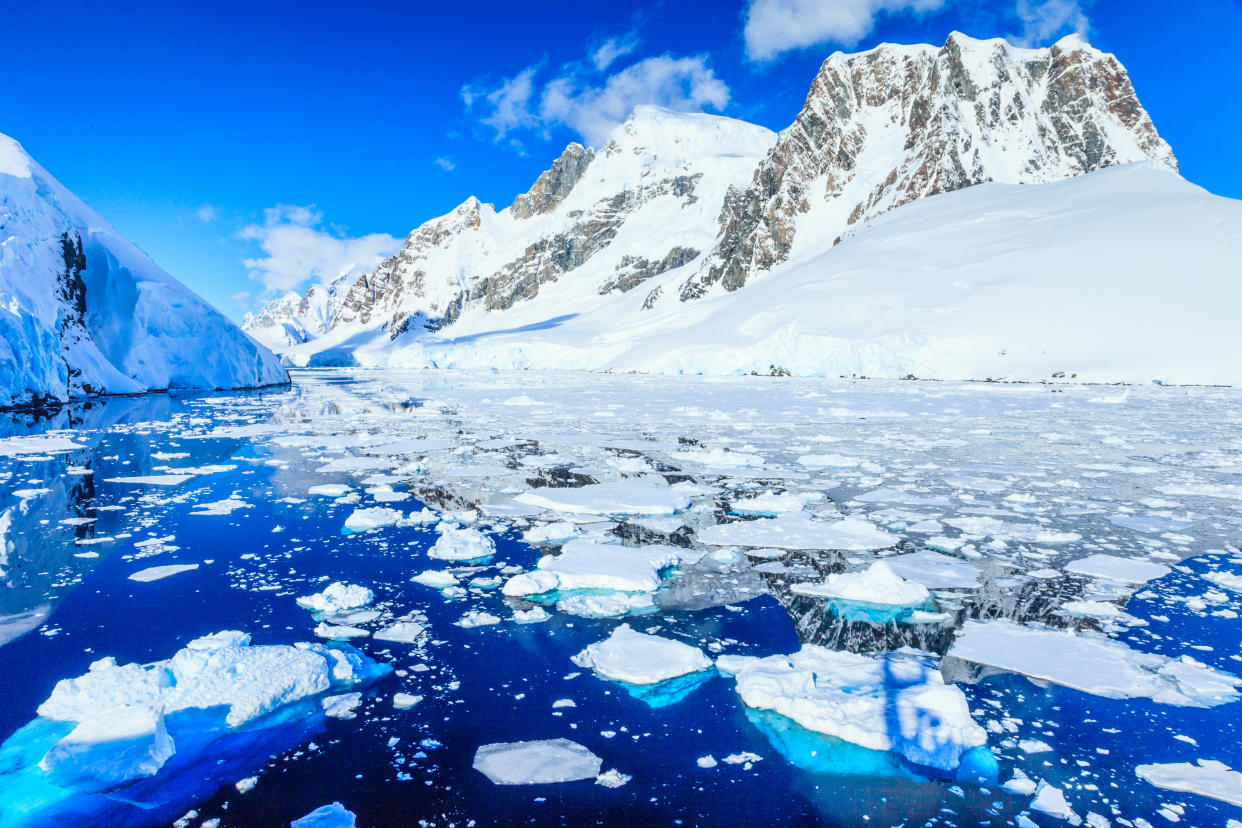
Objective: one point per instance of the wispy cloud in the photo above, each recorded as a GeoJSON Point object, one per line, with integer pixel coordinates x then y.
{"type": "Point", "coordinates": [774, 27]}
{"type": "Point", "coordinates": [445, 163]}
{"type": "Point", "coordinates": [607, 53]}
{"type": "Point", "coordinates": [206, 213]}
{"type": "Point", "coordinates": [298, 249]}
{"type": "Point", "coordinates": [1042, 20]}
{"type": "Point", "coordinates": [583, 96]}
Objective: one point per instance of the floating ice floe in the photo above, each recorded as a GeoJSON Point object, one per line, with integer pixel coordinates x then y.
{"type": "Point", "coordinates": [327, 816]}
{"type": "Point", "coordinates": [638, 658]}
{"type": "Point", "coordinates": [404, 701]}
{"type": "Point", "coordinates": [1209, 778]}
{"type": "Point", "coordinates": [152, 479]}
{"type": "Point", "coordinates": [892, 702]}
{"type": "Point", "coordinates": [851, 534]}
{"type": "Point", "coordinates": [477, 618]}
{"type": "Point", "coordinates": [435, 578]}
{"type": "Point", "coordinates": [156, 573]}
{"type": "Point", "coordinates": [990, 527]}
{"type": "Point", "coordinates": [1115, 568]}
{"type": "Point", "coordinates": [41, 444]}
{"type": "Point", "coordinates": [373, 517]}
{"type": "Point", "coordinates": [337, 597]}
{"type": "Point", "coordinates": [119, 724]}
{"type": "Point", "coordinates": [551, 533]}
{"type": "Point", "coordinates": [1093, 663]}
{"type": "Point", "coordinates": [877, 584]}
{"type": "Point", "coordinates": [771, 505]}
{"type": "Point", "coordinates": [220, 507]}
{"type": "Point", "coordinates": [659, 671]}
{"type": "Point", "coordinates": [404, 632]}
{"type": "Point", "coordinates": [330, 489]}
{"type": "Point", "coordinates": [589, 564]}
{"type": "Point", "coordinates": [1226, 580]}
{"type": "Point", "coordinates": [537, 762]}
{"type": "Point", "coordinates": [461, 544]}
{"type": "Point", "coordinates": [935, 570]}
{"type": "Point", "coordinates": [339, 632]}
{"type": "Point", "coordinates": [619, 497]}
{"type": "Point", "coordinates": [1050, 800]}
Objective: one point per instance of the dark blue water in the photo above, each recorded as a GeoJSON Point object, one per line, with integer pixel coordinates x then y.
{"type": "Point", "coordinates": [496, 683]}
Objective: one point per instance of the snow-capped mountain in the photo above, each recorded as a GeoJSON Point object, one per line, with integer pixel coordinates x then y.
{"type": "Point", "coordinates": [83, 311]}
{"type": "Point", "coordinates": [293, 319]}
{"type": "Point", "coordinates": [889, 231]}
{"type": "Point", "coordinates": [898, 123]}
{"type": "Point", "coordinates": [645, 204]}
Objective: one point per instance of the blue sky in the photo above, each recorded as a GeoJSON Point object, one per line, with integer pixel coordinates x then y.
{"type": "Point", "coordinates": [249, 147]}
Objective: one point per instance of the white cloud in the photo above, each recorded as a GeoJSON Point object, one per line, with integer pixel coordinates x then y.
{"type": "Point", "coordinates": [206, 213]}
{"type": "Point", "coordinates": [686, 84]}
{"type": "Point", "coordinates": [297, 249]}
{"type": "Point", "coordinates": [508, 105]}
{"type": "Point", "coordinates": [1044, 19]}
{"type": "Point", "coordinates": [607, 53]}
{"type": "Point", "coordinates": [243, 298]}
{"type": "Point", "coordinates": [592, 102]}
{"type": "Point", "coordinates": [777, 26]}
{"type": "Point", "coordinates": [445, 163]}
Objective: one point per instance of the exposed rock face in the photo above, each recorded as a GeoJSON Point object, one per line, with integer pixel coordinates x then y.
{"type": "Point", "coordinates": [898, 123]}
{"type": "Point", "coordinates": [658, 181]}
{"type": "Point", "coordinates": [632, 271]}
{"type": "Point", "coordinates": [554, 184]}
{"type": "Point", "coordinates": [878, 129]}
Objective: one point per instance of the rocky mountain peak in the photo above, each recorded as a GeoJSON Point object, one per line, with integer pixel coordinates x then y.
{"type": "Point", "coordinates": [896, 123]}
{"type": "Point", "coordinates": [554, 184]}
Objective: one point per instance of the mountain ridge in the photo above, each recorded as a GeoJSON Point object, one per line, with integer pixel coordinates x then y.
{"type": "Point", "coordinates": [880, 130]}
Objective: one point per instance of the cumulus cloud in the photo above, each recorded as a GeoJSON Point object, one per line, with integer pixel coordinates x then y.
{"type": "Point", "coordinates": [1044, 19]}
{"type": "Point", "coordinates": [774, 27]}
{"type": "Point", "coordinates": [585, 98]}
{"type": "Point", "coordinates": [298, 249]}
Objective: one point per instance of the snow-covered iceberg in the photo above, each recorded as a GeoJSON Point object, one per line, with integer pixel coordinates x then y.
{"type": "Point", "coordinates": [83, 311]}
{"type": "Point", "coordinates": [658, 670]}
{"type": "Point", "coordinates": [534, 763]}
{"type": "Point", "coordinates": [136, 737]}
{"type": "Point", "coordinates": [892, 702]}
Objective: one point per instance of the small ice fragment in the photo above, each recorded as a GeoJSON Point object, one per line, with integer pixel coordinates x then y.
{"type": "Point", "coordinates": [612, 778]}
{"type": "Point", "coordinates": [155, 573]}
{"type": "Point", "coordinates": [337, 597]}
{"type": "Point", "coordinates": [404, 701]}
{"type": "Point", "coordinates": [327, 816]}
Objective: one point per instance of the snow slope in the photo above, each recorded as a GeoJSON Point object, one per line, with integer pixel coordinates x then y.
{"type": "Point", "coordinates": [1126, 274]}
{"type": "Point", "coordinates": [83, 311]}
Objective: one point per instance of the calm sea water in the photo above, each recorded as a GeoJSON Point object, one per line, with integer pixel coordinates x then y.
{"type": "Point", "coordinates": [490, 684]}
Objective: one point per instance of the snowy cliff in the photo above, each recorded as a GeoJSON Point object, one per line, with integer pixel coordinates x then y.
{"type": "Point", "coordinates": [83, 311]}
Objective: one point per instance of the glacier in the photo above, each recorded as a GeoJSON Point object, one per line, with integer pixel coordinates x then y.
{"type": "Point", "coordinates": [83, 311]}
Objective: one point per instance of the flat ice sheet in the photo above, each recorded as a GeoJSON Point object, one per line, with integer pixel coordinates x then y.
{"type": "Point", "coordinates": [1093, 664]}
{"type": "Point", "coordinates": [537, 762]}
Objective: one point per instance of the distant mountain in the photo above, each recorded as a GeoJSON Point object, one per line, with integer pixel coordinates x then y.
{"type": "Point", "coordinates": [694, 243]}
{"type": "Point", "coordinates": [83, 311]}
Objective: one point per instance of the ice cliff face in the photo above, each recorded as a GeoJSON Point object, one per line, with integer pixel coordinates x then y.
{"type": "Point", "coordinates": [898, 123]}
{"type": "Point", "coordinates": [83, 311]}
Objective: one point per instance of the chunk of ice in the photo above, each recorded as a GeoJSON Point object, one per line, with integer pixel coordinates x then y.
{"type": "Point", "coordinates": [537, 762]}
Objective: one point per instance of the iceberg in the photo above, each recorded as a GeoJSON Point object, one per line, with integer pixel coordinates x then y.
{"type": "Point", "coordinates": [891, 702]}
{"type": "Point", "coordinates": [878, 584]}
